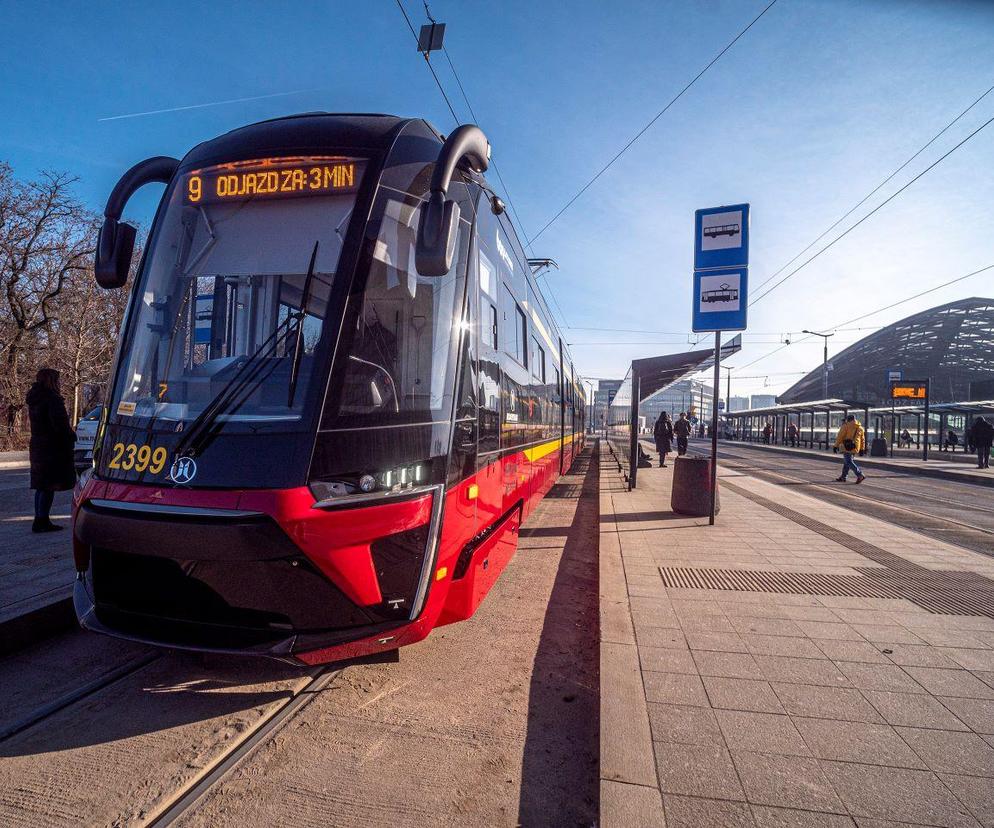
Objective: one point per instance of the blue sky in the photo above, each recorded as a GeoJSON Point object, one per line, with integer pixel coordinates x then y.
{"type": "Point", "coordinates": [816, 105]}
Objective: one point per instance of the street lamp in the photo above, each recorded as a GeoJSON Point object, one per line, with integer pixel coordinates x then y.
{"type": "Point", "coordinates": [824, 336]}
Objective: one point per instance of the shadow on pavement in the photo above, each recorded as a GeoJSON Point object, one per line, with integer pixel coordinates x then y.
{"type": "Point", "coordinates": [176, 690]}
{"type": "Point", "coordinates": [560, 771]}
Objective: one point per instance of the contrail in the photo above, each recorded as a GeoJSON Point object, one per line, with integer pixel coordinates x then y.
{"type": "Point", "coordinates": [202, 105]}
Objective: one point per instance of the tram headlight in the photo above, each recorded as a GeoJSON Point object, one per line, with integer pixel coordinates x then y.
{"type": "Point", "coordinates": [392, 480]}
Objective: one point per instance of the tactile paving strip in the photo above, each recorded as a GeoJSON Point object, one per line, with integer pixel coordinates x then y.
{"type": "Point", "coordinates": [944, 592]}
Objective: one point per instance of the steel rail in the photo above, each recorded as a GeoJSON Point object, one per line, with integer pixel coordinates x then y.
{"type": "Point", "coordinates": [192, 793]}
{"type": "Point", "coordinates": [39, 714]}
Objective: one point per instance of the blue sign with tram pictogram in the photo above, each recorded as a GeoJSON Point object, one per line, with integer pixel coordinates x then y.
{"type": "Point", "coordinates": [721, 268]}
{"type": "Point", "coordinates": [720, 299]}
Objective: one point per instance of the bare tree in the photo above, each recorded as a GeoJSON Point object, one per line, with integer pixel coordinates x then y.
{"type": "Point", "coordinates": [46, 236]}
{"type": "Point", "coordinates": [82, 338]}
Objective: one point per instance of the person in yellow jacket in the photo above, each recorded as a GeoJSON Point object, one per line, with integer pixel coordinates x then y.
{"type": "Point", "coordinates": [852, 440]}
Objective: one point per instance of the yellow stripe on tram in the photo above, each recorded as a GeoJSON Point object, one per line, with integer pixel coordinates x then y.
{"type": "Point", "coordinates": [538, 452]}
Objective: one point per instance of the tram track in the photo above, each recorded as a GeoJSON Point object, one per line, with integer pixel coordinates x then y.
{"type": "Point", "coordinates": [78, 694]}
{"type": "Point", "coordinates": [872, 501]}
{"type": "Point", "coordinates": [174, 795]}
{"type": "Point", "coordinates": [186, 798]}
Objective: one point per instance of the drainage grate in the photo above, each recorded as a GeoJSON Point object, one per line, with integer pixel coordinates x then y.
{"type": "Point", "coordinates": [944, 592]}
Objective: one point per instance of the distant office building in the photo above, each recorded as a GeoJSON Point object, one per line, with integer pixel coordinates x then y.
{"type": "Point", "coordinates": [685, 395]}
{"type": "Point", "coordinates": [606, 389]}
{"type": "Point", "coordinates": [951, 345]}
{"type": "Point", "coordinates": [738, 403]}
{"type": "Point", "coordinates": [762, 400]}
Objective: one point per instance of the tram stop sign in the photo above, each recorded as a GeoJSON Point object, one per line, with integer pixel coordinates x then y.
{"type": "Point", "coordinates": [721, 268]}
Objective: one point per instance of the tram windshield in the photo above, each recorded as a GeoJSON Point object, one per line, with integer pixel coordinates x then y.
{"type": "Point", "coordinates": [400, 365]}
{"type": "Point", "coordinates": [235, 291]}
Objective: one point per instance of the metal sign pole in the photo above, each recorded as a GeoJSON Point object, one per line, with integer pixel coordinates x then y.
{"type": "Point", "coordinates": [714, 423]}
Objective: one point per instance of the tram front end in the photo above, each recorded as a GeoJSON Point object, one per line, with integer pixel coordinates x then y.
{"type": "Point", "coordinates": [275, 458]}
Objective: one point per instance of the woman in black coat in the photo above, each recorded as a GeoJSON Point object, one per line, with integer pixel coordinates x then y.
{"type": "Point", "coordinates": [51, 449]}
{"type": "Point", "coordinates": [663, 434]}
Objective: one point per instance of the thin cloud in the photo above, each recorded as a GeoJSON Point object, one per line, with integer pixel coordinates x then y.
{"type": "Point", "coordinates": [203, 105]}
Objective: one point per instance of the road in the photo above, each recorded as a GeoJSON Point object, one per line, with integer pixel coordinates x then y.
{"type": "Point", "coordinates": [947, 510]}
{"type": "Point", "coordinates": [493, 721]}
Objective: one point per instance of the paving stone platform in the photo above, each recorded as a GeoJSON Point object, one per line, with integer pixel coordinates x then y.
{"type": "Point", "coordinates": [36, 571]}
{"type": "Point", "coordinates": [751, 703]}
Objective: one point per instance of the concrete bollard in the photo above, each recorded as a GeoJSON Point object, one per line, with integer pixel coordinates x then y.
{"type": "Point", "coordinates": [691, 493]}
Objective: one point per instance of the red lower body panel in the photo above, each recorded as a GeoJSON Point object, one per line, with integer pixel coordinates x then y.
{"type": "Point", "coordinates": [355, 550]}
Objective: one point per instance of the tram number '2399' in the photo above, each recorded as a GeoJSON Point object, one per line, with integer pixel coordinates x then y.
{"type": "Point", "coordinates": [141, 458]}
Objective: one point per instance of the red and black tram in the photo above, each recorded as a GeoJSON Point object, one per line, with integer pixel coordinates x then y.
{"type": "Point", "coordinates": [337, 393]}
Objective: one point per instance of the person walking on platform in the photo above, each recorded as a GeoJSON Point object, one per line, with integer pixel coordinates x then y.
{"type": "Point", "coordinates": [663, 435]}
{"type": "Point", "coordinates": [792, 434]}
{"type": "Point", "coordinates": [982, 433]}
{"type": "Point", "coordinates": [851, 439]}
{"type": "Point", "coordinates": [682, 429]}
{"type": "Point", "coordinates": [767, 433]}
{"type": "Point", "coordinates": [51, 447]}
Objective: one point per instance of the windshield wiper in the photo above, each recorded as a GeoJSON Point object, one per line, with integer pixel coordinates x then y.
{"type": "Point", "coordinates": [248, 375]}
{"type": "Point", "coordinates": [300, 316]}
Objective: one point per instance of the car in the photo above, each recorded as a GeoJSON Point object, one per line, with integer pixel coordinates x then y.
{"type": "Point", "coordinates": [86, 433]}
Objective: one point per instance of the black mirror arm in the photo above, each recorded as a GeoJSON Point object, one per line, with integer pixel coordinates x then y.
{"type": "Point", "coordinates": [159, 169]}
{"type": "Point", "coordinates": [465, 143]}
{"type": "Point", "coordinates": [439, 221]}
{"type": "Point", "coordinates": [116, 240]}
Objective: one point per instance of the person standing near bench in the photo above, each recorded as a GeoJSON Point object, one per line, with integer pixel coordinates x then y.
{"type": "Point", "coordinates": [682, 430]}
{"type": "Point", "coordinates": [792, 434]}
{"type": "Point", "coordinates": [982, 433]}
{"type": "Point", "coordinates": [851, 439]}
{"type": "Point", "coordinates": [51, 447]}
{"type": "Point", "coordinates": [663, 435]}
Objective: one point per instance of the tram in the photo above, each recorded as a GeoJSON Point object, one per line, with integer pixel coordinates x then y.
{"type": "Point", "coordinates": [337, 394]}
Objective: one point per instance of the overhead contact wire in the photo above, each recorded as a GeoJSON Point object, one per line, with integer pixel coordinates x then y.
{"type": "Point", "coordinates": [646, 128]}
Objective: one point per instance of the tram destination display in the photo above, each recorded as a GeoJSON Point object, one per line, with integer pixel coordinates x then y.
{"type": "Point", "coordinates": [272, 179]}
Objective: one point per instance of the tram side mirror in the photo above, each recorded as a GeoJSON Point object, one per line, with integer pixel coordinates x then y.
{"type": "Point", "coordinates": [116, 242]}
{"type": "Point", "coordinates": [115, 246]}
{"type": "Point", "coordinates": [438, 232]}
{"type": "Point", "coordinates": [438, 227]}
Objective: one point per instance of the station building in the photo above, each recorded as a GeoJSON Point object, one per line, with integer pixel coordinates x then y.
{"type": "Point", "coordinates": [951, 345]}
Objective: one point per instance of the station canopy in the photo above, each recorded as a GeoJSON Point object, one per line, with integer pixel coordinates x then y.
{"type": "Point", "coordinates": [656, 373]}
{"type": "Point", "coordinates": [820, 406]}
{"type": "Point", "coordinates": [646, 377]}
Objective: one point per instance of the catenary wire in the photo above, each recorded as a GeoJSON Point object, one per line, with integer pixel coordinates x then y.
{"type": "Point", "coordinates": [455, 117]}
{"type": "Point", "coordinates": [874, 191]}
{"type": "Point", "coordinates": [875, 312]}
{"type": "Point", "coordinates": [876, 209]}
{"type": "Point", "coordinates": [646, 128]}
{"type": "Point", "coordinates": [493, 161]}
{"type": "Point", "coordinates": [431, 68]}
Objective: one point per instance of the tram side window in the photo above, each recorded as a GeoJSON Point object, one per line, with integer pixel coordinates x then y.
{"type": "Point", "coordinates": [488, 305]}
{"type": "Point", "coordinates": [536, 359]}
{"type": "Point", "coordinates": [515, 328]}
